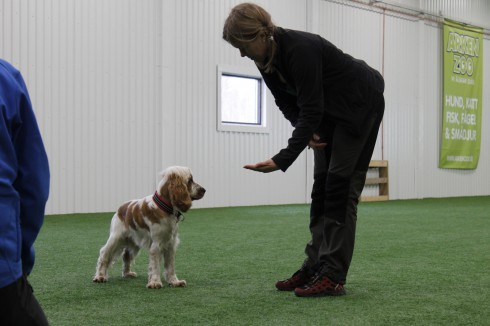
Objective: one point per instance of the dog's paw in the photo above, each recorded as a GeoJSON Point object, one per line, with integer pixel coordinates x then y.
{"type": "Point", "coordinates": [130, 275]}
{"type": "Point", "coordinates": [181, 283]}
{"type": "Point", "coordinates": [99, 279]}
{"type": "Point", "coordinates": [154, 285]}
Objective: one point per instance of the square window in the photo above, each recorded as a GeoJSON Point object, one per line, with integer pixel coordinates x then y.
{"type": "Point", "coordinates": [240, 100]}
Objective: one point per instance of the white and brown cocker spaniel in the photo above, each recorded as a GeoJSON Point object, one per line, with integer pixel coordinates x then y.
{"type": "Point", "coordinates": [151, 222]}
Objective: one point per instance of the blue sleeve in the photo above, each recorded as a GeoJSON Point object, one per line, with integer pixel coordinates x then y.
{"type": "Point", "coordinates": [32, 181]}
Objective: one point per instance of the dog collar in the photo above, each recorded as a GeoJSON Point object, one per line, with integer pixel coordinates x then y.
{"type": "Point", "coordinates": [167, 207]}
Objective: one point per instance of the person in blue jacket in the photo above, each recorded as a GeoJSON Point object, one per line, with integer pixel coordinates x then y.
{"type": "Point", "coordinates": [24, 189]}
{"type": "Point", "coordinates": [335, 104]}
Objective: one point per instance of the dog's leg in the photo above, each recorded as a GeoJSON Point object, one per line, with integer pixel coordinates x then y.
{"type": "Point", "coordinates": [108, 253]}
{"type": "Point", "coordinates": [154, 280]}
{"type": "Point", "coordinates": [129, 253]}
{"type": "Point", "coordinates": [169, 257]}
{"type": "Point", "coordinates": [111, 250]}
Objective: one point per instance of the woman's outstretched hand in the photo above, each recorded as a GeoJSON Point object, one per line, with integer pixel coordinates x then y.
{"type": "Point", "coordinates": [265, 167]}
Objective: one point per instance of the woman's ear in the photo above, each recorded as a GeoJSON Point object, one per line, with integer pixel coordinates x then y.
{"type": "Point", "coordinates": [263, 36]}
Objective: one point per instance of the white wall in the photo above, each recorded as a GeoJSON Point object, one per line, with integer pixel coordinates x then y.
{"type": "Point", "coordinates": [93, 71]}
{"type": "Point", "coordinates": [124, 88]}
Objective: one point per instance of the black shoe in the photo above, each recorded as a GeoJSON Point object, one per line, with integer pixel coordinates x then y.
{"type": "Point", "coordinates": [319, 286]}
{"type": "Point", "coordinates": [299, 278]}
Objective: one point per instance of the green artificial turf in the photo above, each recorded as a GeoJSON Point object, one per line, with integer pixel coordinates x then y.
{"type": "Point", "coordinates": [417, 262]}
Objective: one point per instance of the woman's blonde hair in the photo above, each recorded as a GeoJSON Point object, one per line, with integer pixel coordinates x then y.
{"type": "Point", "coordinates": [244, 24]}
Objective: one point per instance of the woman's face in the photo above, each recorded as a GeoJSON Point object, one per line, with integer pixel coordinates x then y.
{"type": "Point", "coordinates": [256, 50]}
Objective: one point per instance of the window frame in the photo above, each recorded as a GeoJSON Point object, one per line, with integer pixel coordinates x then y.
{"type": "Point", "coordinates": [242, 127]}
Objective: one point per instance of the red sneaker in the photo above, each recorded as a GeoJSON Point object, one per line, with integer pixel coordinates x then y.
{"type": "Point", "coordinates": [299, 278]}
{"type": "Point", "coordinates": [321, 285]}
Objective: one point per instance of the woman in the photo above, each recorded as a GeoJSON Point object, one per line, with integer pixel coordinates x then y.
{"type": "Point", "coordinates": [335, 104]}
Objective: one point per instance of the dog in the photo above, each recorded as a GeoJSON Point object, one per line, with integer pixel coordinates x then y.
{"type": "Point", "coordinates": [151, 222]}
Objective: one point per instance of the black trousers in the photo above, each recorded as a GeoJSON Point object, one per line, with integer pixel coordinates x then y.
{"type": "Point", "coordinates": [339, 176]}
{"type": "Point", "coordinates": [19, 307]}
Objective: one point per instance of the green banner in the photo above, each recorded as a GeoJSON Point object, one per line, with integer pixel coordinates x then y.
{"type": "Point", "coordinates": [462, 96]}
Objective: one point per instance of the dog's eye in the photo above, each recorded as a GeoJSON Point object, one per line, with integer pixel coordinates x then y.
{"type": "Point", "coordinates": [190, 181]}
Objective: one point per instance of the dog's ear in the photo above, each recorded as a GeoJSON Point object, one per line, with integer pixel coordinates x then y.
{"type": "Point", "coordinates": [178, 192]}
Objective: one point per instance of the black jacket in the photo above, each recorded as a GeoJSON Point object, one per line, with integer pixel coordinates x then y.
{"type": "Point", "coordinates": [322, 86]}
